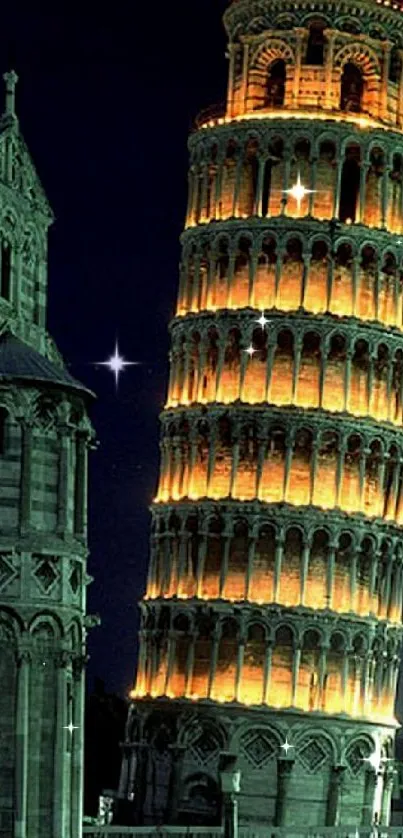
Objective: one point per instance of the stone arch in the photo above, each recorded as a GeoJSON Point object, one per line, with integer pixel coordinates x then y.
{"type": "Point", "coordinates": [356, 751]}
{"type": "Point", "coordinates": [50, 622]}
{"type": "Point", "coordinates": [359, 54]}
{"type": "Point", "coordinates": [200, 798]}
{"type": "Point", "coordinates": [270, 51]}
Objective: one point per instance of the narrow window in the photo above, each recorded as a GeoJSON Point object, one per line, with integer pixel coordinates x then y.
{"type": "Point", "coordinates": [316, 45]}
{"type": "Point", "coordinates": [5, 270]}
{"type": "Point", "coordinates": [350, 184]}
{"type": "Point", "coordinates": [352, 87]}
{"type": "Point", "coordinates": [275, 91]}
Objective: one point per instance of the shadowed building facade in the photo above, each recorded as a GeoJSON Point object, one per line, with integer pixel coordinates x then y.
{"type": "Point", "coordinates": [274, 597]}
{"type": "Point", "coordinates": [44, 438]}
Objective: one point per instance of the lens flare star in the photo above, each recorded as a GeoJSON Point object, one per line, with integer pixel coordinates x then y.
{"type": "Point", "coordinates": [298, 191]}
{"type": "Point", "coordinates": [250, 351]}
{"type": "Point", "coordinates": [263, 321]}
{"type": "Point", "coordinates": [71, 727]}
{"type": "Point", "coordinates": [286, 746]}
{"type": "Point", "coordinates": [116, 364]}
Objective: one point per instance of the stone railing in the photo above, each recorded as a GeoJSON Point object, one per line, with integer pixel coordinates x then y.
{"type": "Point", "coordinates": [243, 832]}
{"type": "Point", "coordinates": [213, 113]}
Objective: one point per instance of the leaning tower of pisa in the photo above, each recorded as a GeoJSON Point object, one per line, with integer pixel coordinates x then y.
{"type": "Point", "coordinates": [273, 606]}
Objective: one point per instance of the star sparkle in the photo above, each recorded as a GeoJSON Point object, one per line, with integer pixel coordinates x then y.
{"type": "Point", "coordinates": [116, 364]}
{"type": "Point", "coordinates": [70, 727]}
{"type": "Point", "coordinates": [298, 191]}
{"type": "Point", "coordinates": [250, 351]}
{"type": "Point", "coordinates": [262, 320]}
{"type": "Point", "coordinates": [286, 746]}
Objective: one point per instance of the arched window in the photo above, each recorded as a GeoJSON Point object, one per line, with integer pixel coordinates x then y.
{"type": "Point", "coordinates": [316, 44]}
{"type": "Point", "coordinates": [5, 278]}
{"type": "Point", "coordinates": [352, 87]}
{"type": "Point", "coordinates": [276, 84]}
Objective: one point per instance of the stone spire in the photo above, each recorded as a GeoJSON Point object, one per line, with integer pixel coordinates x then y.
{"type": "Point", "coordinates": [11, 80]}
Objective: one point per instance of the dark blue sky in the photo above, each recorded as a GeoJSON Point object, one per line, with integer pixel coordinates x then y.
{"type": "Point", "coordinates": [106, 98]}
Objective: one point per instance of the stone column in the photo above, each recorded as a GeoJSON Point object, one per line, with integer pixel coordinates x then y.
{"type": "Point", "coordinates": [22, 744]}
{"type": "Point", "coordinates": [334, 795]}
{"type": "Point", "coordinates": [388, 781]}
{"type": "Point", "coordinates": [314, 175]}
{"type": "Point", "coordinates": [61, 749]}
{"type": "Point", "coordinates": [214, 657]}
{"type": "Point", "coordinates": [63, 482]}
{"type": "Point", "coordinates": [304, 569]}
{"type": "Point", "coordinates": [138, 777]}
{"type": "Point", "coordinates": [239, 666]}
{"type": "Point", "coordinates": [237, 189]}
{"type": "Point", "coordinates": [259, 187]}
{"type": "Point", "coordinates": [251, 557]}
{"type": "Point", "coordinates": [190, 664]}
{"type": "Point", "coordinates": [299, 34]}
{"type": "Point", "coordinates": [284, 769]}
{"type": "Point", "coordinates": [177, 754]}
{"type": "Point", "coordinates": [296, 660]}
{"type": "Point", "coordinates": [230, 90]}
{"type": "Point", "coordinates": [277, 565]}
{"type": "Point", "coordinates": [400, 93]}
{"type": "Point", "coordinates": [77, 763]}
{"type": "Point", "coordinates": [289, 451]}
{"type": "Point", "coordinates": [330, 35]}
{"type": "Point", "coordinates": [383, 91]}
{"type": "Point", "coordinates": [384, 195]}
{"type": "Point", "coordinates": [336, 203]}
{"type": "Point", "coordinates": [369, 796]}
{"type": "Point", "coordinates": [267, 672]}
{"type": "Point", "coordinates": [189, 218]}
{"type": "Point", "coordinates": [364, 166]}
{"type": "Point", "coordinates": [245, 70]}
{"type": "Point", "coordinates": [340, 469]}
{"type": "Point", "coordinates": [230, 780]}
{"type": "Point", "coordinates": [330, 573]}
{"type": "Point", "coordinates": [26, 477]}
{"type": "Point", "coordinates": [80, 494]}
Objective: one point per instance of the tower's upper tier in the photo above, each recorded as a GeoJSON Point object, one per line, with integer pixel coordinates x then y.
{"type": "Point", "coordinates": [378, 19]}
{"type": "Point", "coordinates": [340, 60]}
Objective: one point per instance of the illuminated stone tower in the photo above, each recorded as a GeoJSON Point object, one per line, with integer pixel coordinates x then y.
{"type": "Point", "coordinates": [44, 436]}
{"type": "Point", "coordinates": [274, 596]}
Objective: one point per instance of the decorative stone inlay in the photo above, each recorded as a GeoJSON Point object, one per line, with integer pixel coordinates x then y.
{"type": "Point", "coordinates": [258, 748]}
{"type": "Point", "coordinates": [46, 573]}
{"type": "Point", "coordinates": [7, 571]}
{"type": "Point", "coordinates": [205, 747]}
{"type": "Point", "coordinates": [312, 755]}
{"type": "Point", "coordinates": [355, 755]}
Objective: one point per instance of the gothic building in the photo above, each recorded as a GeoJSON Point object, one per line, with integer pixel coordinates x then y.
{"type": "Point", "coordinates": [273, 607]}
{"type": "Point", "coordinates": [44, 438]}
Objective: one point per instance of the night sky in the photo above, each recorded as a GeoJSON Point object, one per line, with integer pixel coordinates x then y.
{"type": "Point", "coordinates": [106, 98]}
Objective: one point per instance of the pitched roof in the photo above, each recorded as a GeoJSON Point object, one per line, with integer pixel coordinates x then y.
{"type": "Point", "coordinates": [21, 362]}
